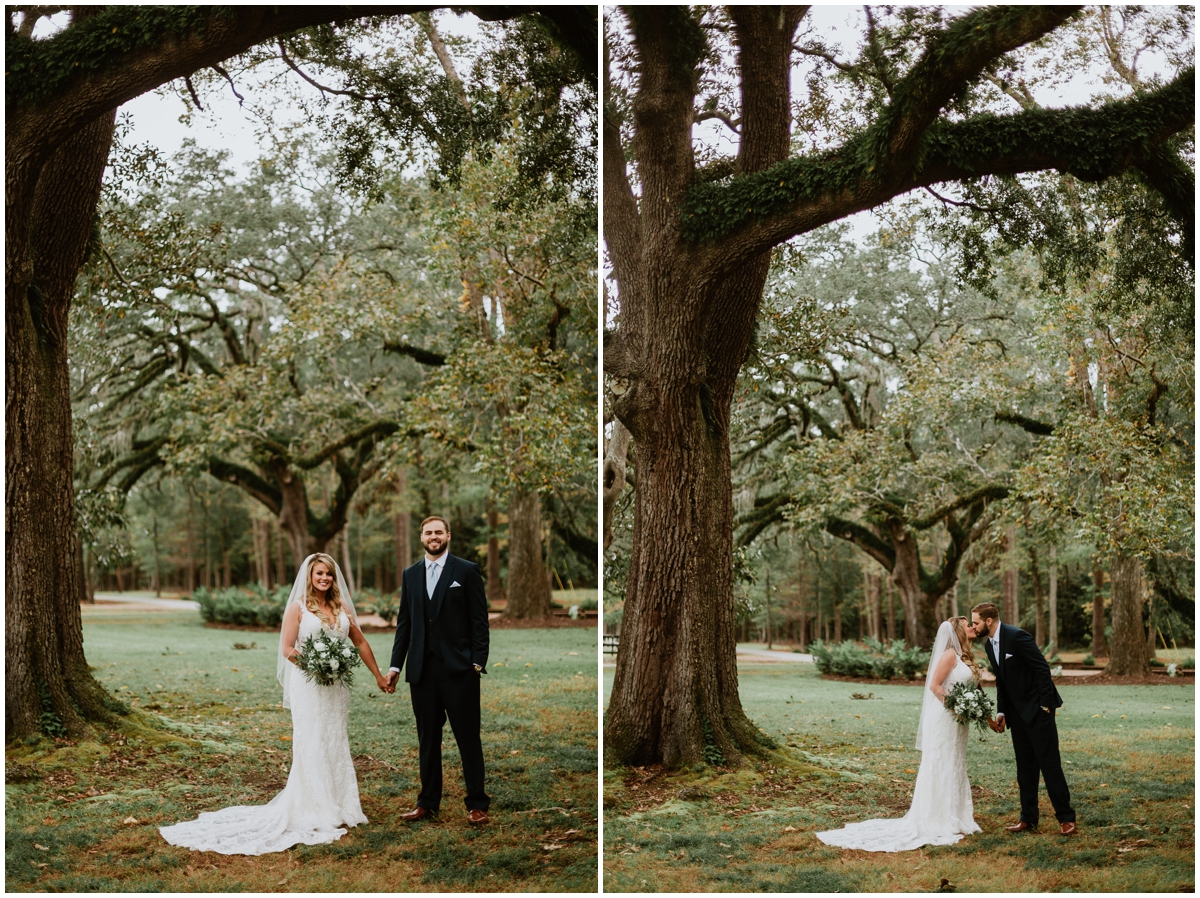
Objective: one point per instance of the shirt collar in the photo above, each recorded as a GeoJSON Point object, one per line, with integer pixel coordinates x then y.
{"type": "Point", "coordinates": [436, 562]}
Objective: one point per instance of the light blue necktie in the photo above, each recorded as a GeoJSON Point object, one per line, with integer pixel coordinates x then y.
{"type": "Point", "coordinates": [431, 577]}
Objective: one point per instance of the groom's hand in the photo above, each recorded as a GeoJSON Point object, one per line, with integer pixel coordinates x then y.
{"type": "Point", "coordinates": [996, 725]}
{"type": "Point", "coordinates": [391, 678]}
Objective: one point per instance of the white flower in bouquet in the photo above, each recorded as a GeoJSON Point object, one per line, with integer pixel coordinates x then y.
{"type": "Point", "coordinates": [320, 662]}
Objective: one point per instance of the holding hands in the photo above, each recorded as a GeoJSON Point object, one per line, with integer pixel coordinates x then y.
{"type": "Point", "coordinates": [388, 683]}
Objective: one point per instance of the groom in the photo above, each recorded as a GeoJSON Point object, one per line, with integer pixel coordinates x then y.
{"type": "Point", "coordinates": [1025, 692]}
{"type": "Point", "coordinates": [442, 630]}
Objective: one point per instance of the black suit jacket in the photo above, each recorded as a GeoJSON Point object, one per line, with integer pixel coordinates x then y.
{"type": "Point", "coordinates": [460, 607]}
{"type": "Point", "coordinates": [1023, 681]}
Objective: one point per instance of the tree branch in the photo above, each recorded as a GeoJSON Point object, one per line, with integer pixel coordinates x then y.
{"type": "Point", "coordinates": [881, 551]}
{"type": "Point", "coordinates": [424, 356]}
{"type": "Point", "coordinates": [376, 428]}
{"type": "Point", "coordinates": [248, 481]}
{"type": "Point", "coordinates": [1032, 425]}
{"type": "Point", "coordinates": [766, 512]}
{"type": "Point", "coordinates": [993, 491]}
{"type": "Point", "coordinates": [758, 210]}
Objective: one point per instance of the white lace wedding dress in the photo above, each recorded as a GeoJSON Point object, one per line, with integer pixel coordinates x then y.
{"type": "Point", "coordinates": [942, 811]}
{"type": "Point", "coordinates": [321, 796]}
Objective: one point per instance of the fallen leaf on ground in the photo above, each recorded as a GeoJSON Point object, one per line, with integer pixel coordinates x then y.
{"type": "Point", "coordinates": [553, 846]}
{"type": "Point", "coordinates": [789, 829]}
{"type": "Point", "coordinates": [40, 847]}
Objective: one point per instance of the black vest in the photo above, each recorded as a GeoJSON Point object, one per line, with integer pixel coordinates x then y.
{"type": "Point", "coordinates": [433, 635]}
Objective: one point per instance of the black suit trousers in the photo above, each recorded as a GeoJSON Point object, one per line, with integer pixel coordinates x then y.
{"type": "Point", "coordinates": [1036, 747]}
{"type": "Point", "coordinates": [437, 697]}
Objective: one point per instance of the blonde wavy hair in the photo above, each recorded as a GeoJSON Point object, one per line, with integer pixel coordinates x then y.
{"type": "Point", "coordinates": [313, 600]}
{"type": "Point", "coordinates": [960, 625]}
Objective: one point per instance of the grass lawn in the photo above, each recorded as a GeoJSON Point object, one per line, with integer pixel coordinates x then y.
{"type": "Point", "coordinates": [222, 739]}
{"type": "Point", "coordinates": [1129, 755]}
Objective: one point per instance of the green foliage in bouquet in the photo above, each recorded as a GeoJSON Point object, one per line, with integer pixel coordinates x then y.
{"type": "Point", "coordinates": [327, 659]}
{"type": "Point", "coordinates": [969, 704]}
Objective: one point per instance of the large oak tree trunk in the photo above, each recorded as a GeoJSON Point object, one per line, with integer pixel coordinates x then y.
{"type": "Point", "coordinates": [48, 230]}
{"type": "Point", "coordinates": [528, 581]}
{"type": "Point", "coordinates": [495, 588]}
{"type": "Point", "coordinates": [679, 609]}
{"type": "Point", "coordinates": [1009, 608]}
{"type": "Point", "coordinates": [683, 343]}
{"type": "Point", "coordinates": [1128, 650]}
{"type": "Point", "coordinates": [920, 608]}
{"type": "Point", "coordinates": [1099, 640]}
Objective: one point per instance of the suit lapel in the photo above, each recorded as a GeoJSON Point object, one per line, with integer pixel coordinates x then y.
{"type": "Point", "coordinates": [439, 591]}
{"type": "Point", "coordinates": [987, 647]}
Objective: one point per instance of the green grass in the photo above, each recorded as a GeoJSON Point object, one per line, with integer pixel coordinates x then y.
{"type": "Point", "coordinates": [218, 739]}
{"type": "Point", "coordinates": [1129, 759]}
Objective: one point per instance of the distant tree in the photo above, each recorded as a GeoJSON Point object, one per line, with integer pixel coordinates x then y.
{"type": "Point", "coordinates": [886, 434]}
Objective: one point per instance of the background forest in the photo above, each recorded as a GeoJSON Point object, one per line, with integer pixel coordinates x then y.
{"type": "Point", "coordinates": [354, 333]}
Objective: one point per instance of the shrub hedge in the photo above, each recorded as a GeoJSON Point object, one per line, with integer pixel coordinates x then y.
{"type": "Point", "coordinates": [872, 659]}
{"type": "Point", "coordinates": [246, 606]}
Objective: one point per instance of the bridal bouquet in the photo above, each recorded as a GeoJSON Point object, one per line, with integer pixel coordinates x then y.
{"type": "Point", "coordinates": [969, 704]}
{"type": "Point", "coordinates": [328, 659]}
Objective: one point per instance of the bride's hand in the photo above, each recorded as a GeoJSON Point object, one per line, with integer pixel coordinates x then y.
{"type": "Point", "coordinates": [382, 683]}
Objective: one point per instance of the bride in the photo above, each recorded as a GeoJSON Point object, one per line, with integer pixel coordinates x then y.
{"type": "Point", "coordinates": [941, 812]}
{"type": "Point", "coordinates": [321, 795]}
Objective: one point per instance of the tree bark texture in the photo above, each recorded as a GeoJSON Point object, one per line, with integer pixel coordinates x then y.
{"type": "Point", "coordinates": [920, 606]}
{"type": "Point", "coordinates": [1099, 640]}
{"type": "Point", "coordinates": [47, 236]}
{"type": "Point", "coordinates": [528, 583]}
{"type": "Point", "coordinates": [615, 456]}
{"type": "Point", "coordinates": [1009, 610]}
{"type": "Point", "coordinates": [891, 612]}
{"type": "Point", "coordinates": [495, 588]}
{"type": "Point", "coordinates": [1035, 574]}
{"type": "Point", "coordinates": [1128, 656]}
{"type": "Point", "coordinates": [1053, 601]}
{"type": "Point", "coordinates": [683, 340]}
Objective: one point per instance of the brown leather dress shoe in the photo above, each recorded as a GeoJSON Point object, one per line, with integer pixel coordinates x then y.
{"type": "Point", "coordinates": [1068, 828]}
{"type": "Point", "coordinates": [1022, 826]}
{"type": "Point", "coordinates": [416, 814]}
{"type": "Point", "coordinates": [478, 817]}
